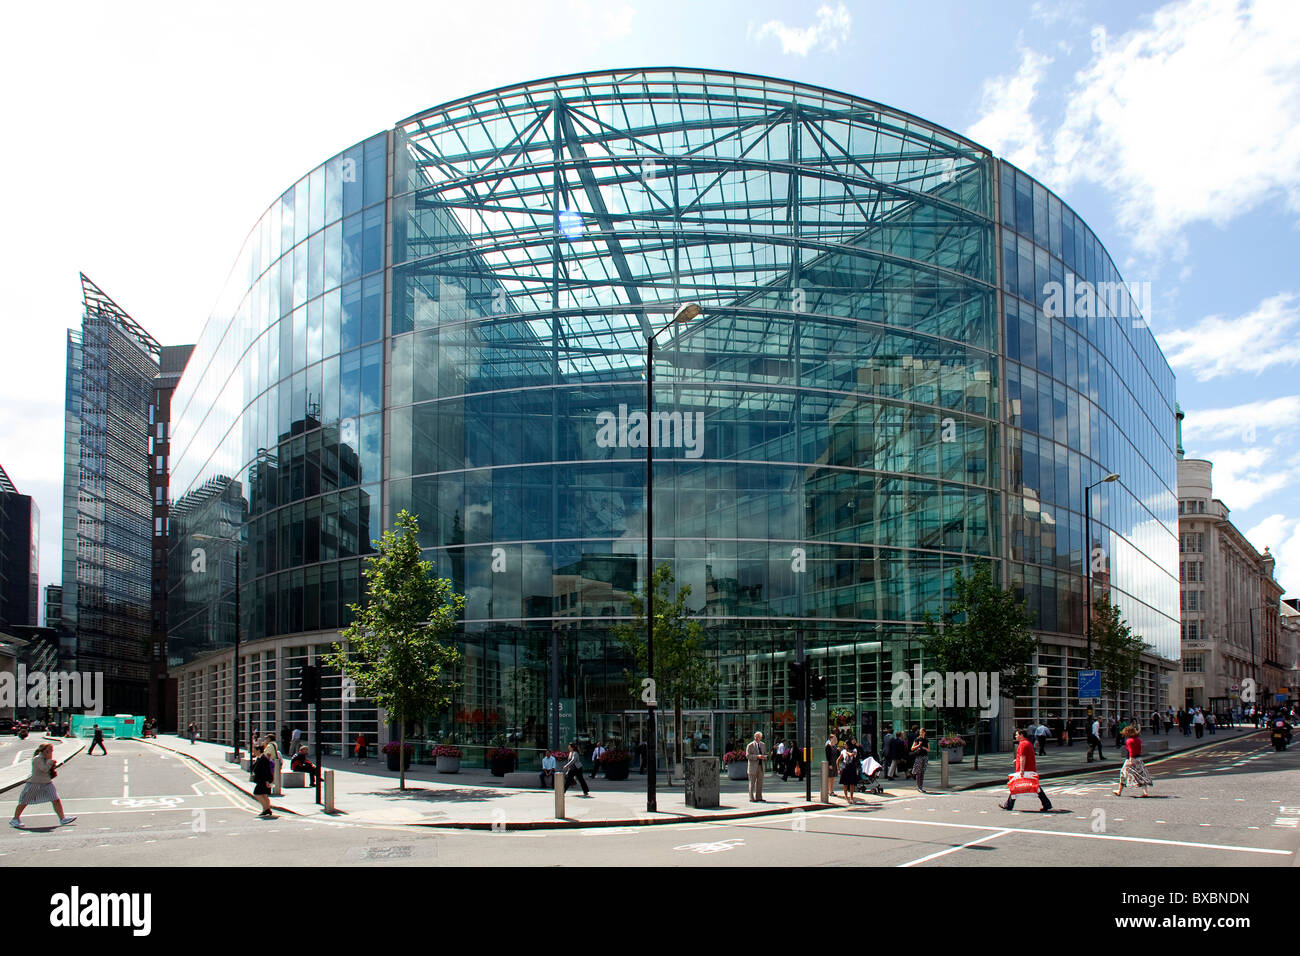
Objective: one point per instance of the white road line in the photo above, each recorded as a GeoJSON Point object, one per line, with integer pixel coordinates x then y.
{"type": "Point", "coordinates": [197, 789]}
{"type": "Point", "coordinates": [953, 849]}
{"type": "Point", "coordinates": [1084, 836]}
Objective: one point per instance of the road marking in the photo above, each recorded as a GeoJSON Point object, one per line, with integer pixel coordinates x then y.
{"type": "Point", "coordinates": [720, 847]}
{"type": "Point", "coordinates": [1083, 836]}
{"type": "Point", "coordinates": [197, 788]}
{"type": "Point", "coordinates": [953, 849]}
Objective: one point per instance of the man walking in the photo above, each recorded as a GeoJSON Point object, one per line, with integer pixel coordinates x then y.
{"type": "Point", "coordinates": [1040, 738]}
{"type": "Point", "coordinates": [98, 741]}
{"type": "Point", "coordinates": [573, 771]}
{"type": "Point", "coordinates": [190, 731]}
{"type": "Point", "coordinates": [756, 757]}
{"type": "Point", "coordinates": [597, 754]}
{"type": "Point", "coordinates": [1025, 764]}
{"type": "Point", "coordinates": [1094, 739]}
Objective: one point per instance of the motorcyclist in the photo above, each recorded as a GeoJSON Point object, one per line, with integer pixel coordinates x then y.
{"type": "Point", "coordinates": [1281, 735]}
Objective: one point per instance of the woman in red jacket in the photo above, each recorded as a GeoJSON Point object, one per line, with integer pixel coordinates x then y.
{"type": "Point", "coordinates": [1025, 763]}
{"type": "Point", "coordinates": [1134, 772]}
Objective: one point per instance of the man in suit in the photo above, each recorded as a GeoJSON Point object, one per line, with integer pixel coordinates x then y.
{"type": "Point", "coordinates": [756, 758]}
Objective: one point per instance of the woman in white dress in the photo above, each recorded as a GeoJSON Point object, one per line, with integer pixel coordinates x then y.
{"type": "Point", "coordinates": [40, 787]}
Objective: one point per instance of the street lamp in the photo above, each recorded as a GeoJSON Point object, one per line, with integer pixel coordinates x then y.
{"type": "Point", "coordinates": [234, 723]}
{"type": "Point", "coordinates": [1087, 526]}
{"type": "Point", "coordinates": [684, 313]}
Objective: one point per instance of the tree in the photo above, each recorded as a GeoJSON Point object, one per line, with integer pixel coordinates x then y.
{"type": "Point", "coordinates": [682, 668]}
{"type": "Point", "coordinates": [982, 629]}
{"type": "Point", "coordinates": [393, 648]}
{"type": "Point", "coordinates": [1116, 650]}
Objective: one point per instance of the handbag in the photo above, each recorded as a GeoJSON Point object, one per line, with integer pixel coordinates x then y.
{"type": "Point", "coordinates": [53, 773]}
{"type": "Point", "coordinates": [1026, 782]}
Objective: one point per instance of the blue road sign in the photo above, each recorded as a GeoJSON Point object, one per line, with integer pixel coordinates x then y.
{"type": "Point", "coordinates": [1089, 684]}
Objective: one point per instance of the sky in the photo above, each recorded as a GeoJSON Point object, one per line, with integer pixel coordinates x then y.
{"type": "Point", "coordinates": [146, 139]}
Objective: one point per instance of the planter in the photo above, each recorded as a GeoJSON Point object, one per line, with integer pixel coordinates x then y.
{"type": "Point", "coordinates": [955, 754]}
{"type": "Point", "coordinates": [616, 771]}
{"type": "Point", "coordinates": [738, 770]}
{"type": "Point", "coordinates": [393, 764]}
{"type": "Point", "coordinates": [448, 764]}
{"type": "Point", "coordinates": [502, 766]}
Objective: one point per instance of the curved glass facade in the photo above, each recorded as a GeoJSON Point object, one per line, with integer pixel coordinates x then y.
{"type": "Point", "coordinates": [451, 318]}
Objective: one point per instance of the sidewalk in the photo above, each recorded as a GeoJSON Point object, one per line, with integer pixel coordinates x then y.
{"type": "Point", "coordinates": [474, 799]}
{"type": "Point", "coordinates": [17, 774]}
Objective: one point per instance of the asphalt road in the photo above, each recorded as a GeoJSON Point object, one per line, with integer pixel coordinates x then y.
{"type": "Point", "coordinates": [1231, 804]}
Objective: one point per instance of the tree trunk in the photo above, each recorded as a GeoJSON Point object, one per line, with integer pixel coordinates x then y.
{"type": "Point", "coordinates": [677, 726]}
{"type": "Point", "coordinates": [401, 755]}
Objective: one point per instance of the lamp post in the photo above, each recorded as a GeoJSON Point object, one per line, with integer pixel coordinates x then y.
{"type": "Point", "coordinates": [1087, 526]}
{"type": "Point", "coordinates": [684, 313]}
{"type": "Point", "coordinates": [234, 722]}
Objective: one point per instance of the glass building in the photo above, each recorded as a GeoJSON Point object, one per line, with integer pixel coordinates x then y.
{"type": "Point", "coordinates": [884, 387]}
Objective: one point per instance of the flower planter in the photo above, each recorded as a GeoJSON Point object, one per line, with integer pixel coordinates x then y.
{"type": "Point", "coordinates": [448, 765]}
{"type": "Point", "coordinates": [738, 770]}
{"type": "Point", "coordinates": [615, 771]}
{"type": "Point", "coordinates": [502, 765]}
{"type": "Point", "coordinates": [393, 765]}
{"type": "Point", "coordinates": [955, 754]}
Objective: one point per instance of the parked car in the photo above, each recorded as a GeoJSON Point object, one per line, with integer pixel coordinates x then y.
{"type": "Point", "coordinates": [37, 725]}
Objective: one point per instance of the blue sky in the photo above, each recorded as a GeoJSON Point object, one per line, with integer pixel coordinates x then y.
{"type": "Point", "coordinates": [145, 140]}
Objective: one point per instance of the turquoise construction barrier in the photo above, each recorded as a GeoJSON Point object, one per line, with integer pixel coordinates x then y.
{"type": "Point", "coordinates": [118, 725]}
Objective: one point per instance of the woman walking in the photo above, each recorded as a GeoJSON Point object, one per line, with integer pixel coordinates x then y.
{"type": "Point", "coordinates": [920, 756]}
{"type": "Point", "coordinates": [848, 767]}
{"type": "Point", "coordinates": [1134, 772]}
{"type": "Point", "coordinates": [263, 774]}
{"type": "Point", "coordinates": [40, 787]}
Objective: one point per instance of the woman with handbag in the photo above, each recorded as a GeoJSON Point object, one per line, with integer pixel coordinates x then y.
{"type": "Point", "coordinates": [40, 787]}
{"type": "Point", "coordinates": [920, 757]}
{"type": "Point", "coordinates": [1026, 764]}
{"type": "Point", "coordinates": [1134, 772]}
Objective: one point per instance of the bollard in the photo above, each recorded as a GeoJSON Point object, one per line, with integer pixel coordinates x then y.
{"type": "Point", "coordinates": [276, 789]}
{"type": "Point", "coordinates": [943, 771]}
{"type": "Point", "coordinates": [826, 782]}
{"type": "Point", "coordinates": [329, 791]}
{"type": "Point", "coordinates": [559, 794]}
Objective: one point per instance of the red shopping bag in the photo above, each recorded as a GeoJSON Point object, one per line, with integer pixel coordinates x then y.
{"type": "Point", "coordinates": [1019, 783]}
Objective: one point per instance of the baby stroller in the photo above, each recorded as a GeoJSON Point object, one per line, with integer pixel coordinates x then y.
{"type": "Point", "coordinates": [869, 776]}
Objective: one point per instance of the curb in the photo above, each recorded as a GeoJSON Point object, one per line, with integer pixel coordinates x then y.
{"type": "Point", "coordinates": [631, 822]}
{"type": "Point", "coordinates": [1103, 764]}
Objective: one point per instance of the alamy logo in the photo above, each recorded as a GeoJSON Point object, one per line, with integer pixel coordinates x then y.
{"type": "Point", "coordinates": [948, 689]}
{"type": "Point", "coordinates": [661, 430]}
{"type": "Point", "coordinates": [71, 689]}
{"type": "Point", "coordinates": [1084, 300]}
{"type": "Point", "coordinates": [73, 909]}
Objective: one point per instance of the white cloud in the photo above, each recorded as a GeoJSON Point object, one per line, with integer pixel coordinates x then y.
{"type": "Point", "coordinates": [1006, 125]}
{"type": "Point", "coordinates": [1242, 421]}
{"type": "Point", "coordinates": [830, 29]}
{"type": "Point", "coordinates": [1215, 346]}
{"type": "Point", "coordinates": [1192, 117]}
{"type": "Point", "coordinates": [599, 23]}
{"type": "Point", "coordinates": [1243, 477]}
{"type": "Point", "coordinates": [1281, 535]}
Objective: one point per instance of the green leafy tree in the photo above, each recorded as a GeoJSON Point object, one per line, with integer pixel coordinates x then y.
{"type": "Point", "coordinates": [982, 629]}
{"type": "Point", "coordinates": [394, 647]}
{"type": "Point", "coordinates": [683, 670]}
{"type": "Point", "coordinates": [1116, 650]}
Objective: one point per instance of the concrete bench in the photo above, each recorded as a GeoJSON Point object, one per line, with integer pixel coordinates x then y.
{"type": "Point", "coordinates": [293, 778]}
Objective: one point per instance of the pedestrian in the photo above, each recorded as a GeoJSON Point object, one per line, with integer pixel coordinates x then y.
{"type": "Point", "coordinates": [97, 741]}
{"type": "Point", "coordinates": [832, 757]}
{"type": "Point", "coordinates": [641, 751]}
{"type": "Point", "coordinates": [849, 770]}
{"type": "Point", "coordinates": [295, 741]}
{"type": "Point", "coordinates": [1025, 763]}
{"type": "Point", "coordinates": [1169, 720]}
{"type": "Point", "coordinates": [756, 759]}
{"type": "Point", "coordinates": [1198, 723]}
{"type": "Point", "coordinates": [1112, 729]}
{"type": "Point", "coordinates": [190, 730]}
{"type": "Point", "coordinates": [573, 771]}
{"type": "Point", "coordinates": [920, 757]}
{"type": "Point", "coordinates": [263, 775]}
{"type": "Point", "coordinates": [597, 755]}
{"type": "Point", "coordinates": [779, 762]}
{"type": "Point", "coordinates": [1040, 736]}
{"type": "Point", "coordinates": [40, 787]}
{"type": "Point", "coordinates": [1134, 772]}
{"type": "Point", "coordinates": [359, 748]}
{"type": "Point", "coordinates": [547, 776]}
{"type": "Point", "coordinates": [886, 747]}
{"type": "Point", "coordinates": [1209, 723]}
{"type": "Point", "coordinates": [1094, 739]}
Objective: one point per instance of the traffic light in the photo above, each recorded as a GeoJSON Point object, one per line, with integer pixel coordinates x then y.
{"type": "Point", "coordinates": [796, 680]}
{"type": "Point", "coordinates": [309, 689]}
{"type": "Point", "coordinates": [816, 686]}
